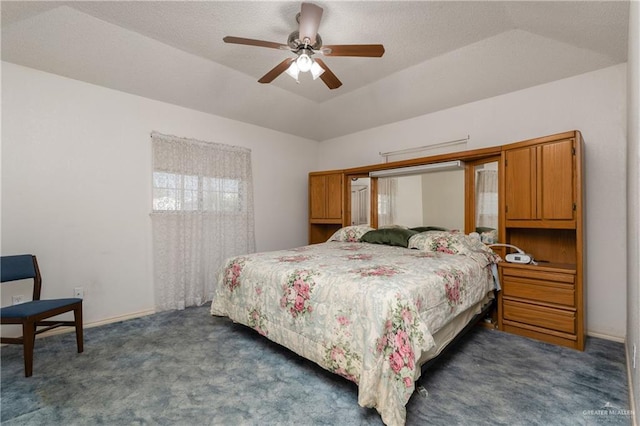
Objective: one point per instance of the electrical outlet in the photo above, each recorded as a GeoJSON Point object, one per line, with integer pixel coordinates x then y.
{"type": "Point", "coordinates": [78, 292]}
{"type": "Point", "coordinates": [16, 300]}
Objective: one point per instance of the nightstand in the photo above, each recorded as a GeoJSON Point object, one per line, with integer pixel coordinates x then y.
{"type": "Point", "coordinates": [541, 302]}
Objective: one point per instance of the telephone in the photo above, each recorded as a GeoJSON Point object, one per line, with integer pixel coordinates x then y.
{"type": "Point", "coordinates": [519, 257]}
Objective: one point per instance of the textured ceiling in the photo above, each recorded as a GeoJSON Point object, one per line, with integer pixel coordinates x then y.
{"type": "Point", "coordinates": [438, 54]}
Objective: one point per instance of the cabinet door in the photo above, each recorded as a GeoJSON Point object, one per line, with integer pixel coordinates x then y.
{"type": "Point", "coordinates": [317, 196]}
{"type": "Point", "coordinates": [520, 181]}
{"type": "Point", "coordinates": [556, 180]}
{"type": "Point", "coordinates": [540, 182]}
{"type": "Point", "coordinates": [334, 196]}
{"type": "Point", "coordinates": [325, 195]}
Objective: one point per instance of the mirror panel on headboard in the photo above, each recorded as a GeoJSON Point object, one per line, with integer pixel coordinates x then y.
{"type": "Point", "coordinates": [428, 199]}
{"type": "Point", "coordinates": [442, 196]}
{"type": "Point", "coordinates": [465, 199]}
{"type": "Point", "coordinates": [482, 199]}
{"type": "Point", "coordinates": [360, 213]}
{"type": "Point", "coordinates": [486, 195]}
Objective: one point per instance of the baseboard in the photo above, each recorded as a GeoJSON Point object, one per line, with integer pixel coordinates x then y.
{"type": "Point", "coordinates": [61, 330]}
{"type": "Point", "coordinates": [606, 337]}
{"type": "Point", "coordinates": [632, 402]}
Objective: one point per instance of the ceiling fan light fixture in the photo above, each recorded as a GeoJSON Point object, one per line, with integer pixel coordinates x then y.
{"type": "Point", "coordinates": [293, 71]}
{"type": "Point", "coordinates": [316, 70]}
{"type": "Point", "coordinates": [304, 62]}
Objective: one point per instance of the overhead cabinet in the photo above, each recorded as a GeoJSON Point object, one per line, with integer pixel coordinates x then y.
{"type": "Point", "coordinates": [326, 197]}
{"type": "Point", "coordinates": [540, 184]}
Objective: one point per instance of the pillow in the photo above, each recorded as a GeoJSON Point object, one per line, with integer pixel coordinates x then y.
{"type": "Point", "coordinates": [441, 241]}
{"type": "Point", "coordinates": [350, 233]}
{"type": "Point", "coordinates": [429, 228]}
{"type": "Point", "coordinates": [489, 237]}
{"type": "Point", "coordinates": [481, 229]}
{"type": "Point", "coordinates": [454, 243]}
{"type": "Point", "coordinates": [389, 236]}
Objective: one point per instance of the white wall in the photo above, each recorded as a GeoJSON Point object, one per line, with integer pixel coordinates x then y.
{"type": "Point", "coordinates": [633, 207]}
{"type": "Point", "coordinates": [76, 184]}
{"type": "Point", "coordinates": [593, 103]}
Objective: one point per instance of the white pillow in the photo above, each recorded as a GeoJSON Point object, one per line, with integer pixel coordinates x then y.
{"type": "Point", "coordinates": [350, 233]}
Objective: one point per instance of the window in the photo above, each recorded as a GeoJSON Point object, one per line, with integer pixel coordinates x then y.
{"type": "Point", "coordinates": [172, 191]}
{"type": "Point", "coordinates": [202, 214]}
{"type": "Point", "coordinates": [223, 195]}
{"type": "Point", "coordinates": [177, 192]}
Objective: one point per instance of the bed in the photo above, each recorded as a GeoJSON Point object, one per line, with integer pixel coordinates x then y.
{"type": "Point", "coordinates": [371, 309]}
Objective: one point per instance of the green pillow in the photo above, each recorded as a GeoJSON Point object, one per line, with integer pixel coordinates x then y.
{"type": "Point", "coordinates": [481, 229]}
{"type": "Point", "coordinates": [428, 228]}
{"type": "Point", "coordinates": [389, 236]}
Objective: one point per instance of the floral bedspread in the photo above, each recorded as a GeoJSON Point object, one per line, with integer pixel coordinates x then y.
{"type": "Point", "coordinates": [364, 311]}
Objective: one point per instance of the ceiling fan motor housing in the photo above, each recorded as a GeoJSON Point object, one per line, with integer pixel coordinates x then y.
{"type": "Point", "coordinates": [296, 44]}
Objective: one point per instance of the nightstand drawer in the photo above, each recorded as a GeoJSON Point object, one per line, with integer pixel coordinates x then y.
{"type": "Point", "coordinates": [541, 316]}
{"type": "Point", "coordinates": [540, 291]}
{"type": "Point", "coordinates": [534, 274]}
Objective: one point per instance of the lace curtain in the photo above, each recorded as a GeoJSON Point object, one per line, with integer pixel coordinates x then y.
{"type": "Point", "coordinates": [202, 214]}
{"type": "Point", "coordinates": [487, 199]}
{"type": "Point", "coordinates": [387, 195]}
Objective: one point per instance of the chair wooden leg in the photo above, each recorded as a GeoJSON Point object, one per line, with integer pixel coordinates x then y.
{"type": "Point", "coordinates": [77, 314]}
{"type": "Point", "coordinates": [29, 338]}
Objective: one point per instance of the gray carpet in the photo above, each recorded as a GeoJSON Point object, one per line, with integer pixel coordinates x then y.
{"type": "Point", "coordinates": [188, 368]}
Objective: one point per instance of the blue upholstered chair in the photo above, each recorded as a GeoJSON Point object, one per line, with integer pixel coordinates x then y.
{"type": "Point", "coordinates": [35, 313]}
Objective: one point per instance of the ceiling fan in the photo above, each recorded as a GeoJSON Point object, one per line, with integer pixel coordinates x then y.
{"type": "Point", "coordinates": [304, 43]}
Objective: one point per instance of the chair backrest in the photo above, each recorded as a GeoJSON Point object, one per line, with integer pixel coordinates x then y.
{"type": "Point", "coordinates": [21, 267]}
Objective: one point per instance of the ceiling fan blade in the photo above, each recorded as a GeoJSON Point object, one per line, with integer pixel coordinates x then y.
{"type": "Point", "coordinates": [328, 76]}
{"type": "Point", "coordinates": [276, 71]}
{"type": "Point", "coordinates": [252, 42]}
{"type": "Point", "coordinates": [364, 50]}
{"type": "Point", "coordinates": [310, 16]}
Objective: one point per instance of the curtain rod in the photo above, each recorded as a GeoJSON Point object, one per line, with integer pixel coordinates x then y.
{"type": "Point", "coordinates": [424, 148]}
